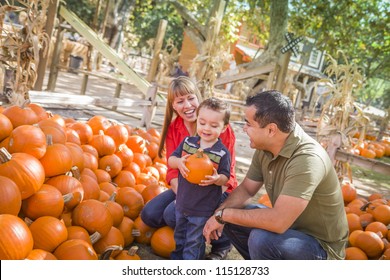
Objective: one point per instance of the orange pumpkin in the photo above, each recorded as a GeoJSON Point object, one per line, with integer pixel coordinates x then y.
{"type": "Point", "coordinates": [199, 166]}
{"type": "Point", "coordinates": [94, 216]}
{"type": "Point", "coordinates": [98, 123]}
{"type": "Point", "coordinates": [16, 240]}
{"type": "Point", "coordinates": [113, 237]}
{"type": "Point", "coordinates": [126, 227]}
{"type": "Point", "coordinates": [53, 128]}
{"type": "Point", "coordinates": [355, 253]}
{"type": "Point", "coordinates": [370, 243]}
{"type": "Point", "coordinates": [77, 232]}
{"type": "Point", "coordinates": [349, 192]}
{"type": "Point", "coordinates": [39, 254]}
{"type": "Point", "coordinates": [57, 159]}
{"type": "Point", "coordinates": [27, 139]}
{"type": "Point", "coordinates": [125, 154]}
{"type": "Point", "coordinates": [6, 127]}
{"type": "Point", "coordinates": [124, 179]}
{"type": "Point", "coordinates": [142, 232]}
{"type": "Point", "coordinates": [131, 201]}
{"type": "Point", "coordinates": [119, 133]}
{"type": "Point", "coordinates": [84, 131]}
{"type": "Point", "coordinates": [110, 163]}
{"type": "Point", "coordinates": [75, 249]}
{"type": "Point", "coordinates": [381, 213]}
{"type": "Point", "coordinates": [152, 191]}
{"type": "Point", "coordinates": [104, 144]}
{"type": "Point", "coordinates": [25, 170]}
{"type": "Point", "coordinates": [10, 198]}
{"type": "Point", "coordinates": [116, 211]}
{"type": "Point", "coordinates": [69, 186]}
{"type": "Point", "coordinates": [20, 115]}
{"type": "Point", "coordinates": [163, 242]}
{"type": "Point", "coordinates": [47, 201]}
{"type": "Point", "coordinates": [48, 233]}
{"type": "Point", "coordinates": [130, 254]}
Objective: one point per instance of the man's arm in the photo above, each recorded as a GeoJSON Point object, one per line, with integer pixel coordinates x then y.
{"type": "Point", "coordinates": [277, 219]}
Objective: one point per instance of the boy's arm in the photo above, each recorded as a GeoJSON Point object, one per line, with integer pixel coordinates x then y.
{"type": "Point", "coordinates": [179, 163]}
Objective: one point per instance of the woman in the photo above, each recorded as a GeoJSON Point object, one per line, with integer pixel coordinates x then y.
{"type": "Point", "coordinates": [183, 100]}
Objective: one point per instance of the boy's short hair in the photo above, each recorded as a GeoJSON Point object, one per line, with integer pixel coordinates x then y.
{"type": "Point", "coordinates": [216, 104]}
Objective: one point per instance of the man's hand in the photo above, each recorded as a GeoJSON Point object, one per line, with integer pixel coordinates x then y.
{"type": "Point", "coordinates": [212, 229]}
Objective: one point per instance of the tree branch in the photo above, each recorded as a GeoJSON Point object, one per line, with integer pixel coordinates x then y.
{"type": "Point", "coordinates": [187, 16]}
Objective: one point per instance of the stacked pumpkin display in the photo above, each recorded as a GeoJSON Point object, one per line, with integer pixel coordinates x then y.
{"type": "Point", "coordinates": [74, 190]}
{"type": "Point", "coordinates": [369, 225]}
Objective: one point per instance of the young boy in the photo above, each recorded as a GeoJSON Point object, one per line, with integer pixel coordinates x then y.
{"type": "Point", "coordinates": [196, 203]}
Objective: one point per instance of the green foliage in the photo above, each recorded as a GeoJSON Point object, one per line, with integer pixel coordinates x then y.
{"type": "Point", "coordinates": [84, 9]}
{"type": "Point", "coordinates": [358, 27]}
{"type": "Point", "coordinates": [146, 18]}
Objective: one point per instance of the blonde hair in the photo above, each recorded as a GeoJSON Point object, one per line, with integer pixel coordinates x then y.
{"type": "Point", "coordinates": [180, 86]}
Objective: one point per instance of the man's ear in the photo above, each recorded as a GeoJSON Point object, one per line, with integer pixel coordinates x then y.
{"type": "Point", "coordinates": [272, 129]}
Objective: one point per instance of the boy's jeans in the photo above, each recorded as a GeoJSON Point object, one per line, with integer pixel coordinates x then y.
{"type": "Point", "coordinates": [190, 242]}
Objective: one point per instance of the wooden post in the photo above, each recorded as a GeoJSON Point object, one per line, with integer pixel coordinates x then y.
{"type": "Point", "coordinates": [117, 94]}
{"type": "Point", "coordinates": [51, 84]}
{"type": "Point", "coordinates": [156, 52]}
{"type": "Point", "coordinates": [51, 16]}
{"type": "Point", "coordinates": [84, 84]}
{"type": "Point", "coordinates": [284, 60]}
{"type": "Point", "coordinates": [150, 110]}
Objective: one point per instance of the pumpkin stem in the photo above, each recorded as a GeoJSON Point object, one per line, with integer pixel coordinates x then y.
{"type": "Point", "coordinates": [132, 251]}
{"type": "Point", "coordinates": [28, 221]}
{"type": "Point", "coordinates": [107, 252]}
{"type": "Point", "coordinates": [4, 155]}
{"type": "Point", "coordinates": [112, 196]}
{"type": "Point", "coordinates": [75, 171]}
{"type": "Point", "coordinates": [25, 103]}
{"type": "Point", "coordinates": [199, 153]}
{"type": "Point", "coordinates": [49, 140]}
{"type": "Point", "coordinates": [95, 237]}
{"type": "Point", "coordinates": [67, 197]}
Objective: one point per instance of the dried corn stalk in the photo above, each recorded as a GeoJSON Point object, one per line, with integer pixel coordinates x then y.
{"type": "Point", "coordinates": [207, 65]}
{"type": "Point", "coordinates": [340, 115]}
{"type": "Point", "coordinates": [20, 46]}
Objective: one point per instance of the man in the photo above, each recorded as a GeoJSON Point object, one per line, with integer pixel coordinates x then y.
{"type": "Point", "coordinates": [307, 220]}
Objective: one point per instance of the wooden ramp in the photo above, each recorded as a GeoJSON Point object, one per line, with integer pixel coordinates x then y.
{"type": "Point", "coordinates": [91, 36]}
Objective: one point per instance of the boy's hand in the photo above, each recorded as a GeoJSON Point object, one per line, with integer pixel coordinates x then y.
{"type": "Point", "coordinates": [210, 179]}
{"type": "Point", "coordinates": [181, 165]}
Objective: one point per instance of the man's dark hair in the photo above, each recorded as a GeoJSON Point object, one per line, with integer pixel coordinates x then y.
{"type": "Point", "coordinates": [273, 107]}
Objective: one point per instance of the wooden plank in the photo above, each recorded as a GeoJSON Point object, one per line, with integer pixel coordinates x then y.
{"type": "Point", "coordinates": [245, 75]}
{"type": "Point", "coordinates": [103, 48]}
{"type": "Point", "coordinates": [360, 161]}
{"type": "Point", "coordinates": [46, 97]}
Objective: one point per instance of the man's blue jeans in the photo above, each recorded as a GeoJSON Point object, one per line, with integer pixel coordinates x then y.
{"type": "Point", "coordinates": [259, 244]}
{"type": "Point", "coordinates": [190, 242]}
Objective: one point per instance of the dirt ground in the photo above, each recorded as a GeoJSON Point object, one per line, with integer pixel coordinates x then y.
{"type": "Point", "coordinates": [365, 182]}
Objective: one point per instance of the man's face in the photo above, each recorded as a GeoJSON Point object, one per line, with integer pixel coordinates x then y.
{"type": "Point", "coordinates": [257, 135]}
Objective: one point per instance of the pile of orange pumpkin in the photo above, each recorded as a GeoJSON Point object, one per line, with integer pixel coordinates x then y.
{"type": "Point", "coordinates": [369, 225]}
{"type": "Point", "coordinates": [74, 190]}
{"type": "Point", "coordinates": [370, 148]}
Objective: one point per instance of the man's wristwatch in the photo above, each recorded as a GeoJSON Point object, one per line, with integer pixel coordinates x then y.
{"type": "Point", "coordinates": [218, 216]}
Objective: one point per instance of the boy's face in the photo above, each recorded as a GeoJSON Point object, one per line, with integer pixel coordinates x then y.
{"type": "Point", "coordinates": [210, 124]}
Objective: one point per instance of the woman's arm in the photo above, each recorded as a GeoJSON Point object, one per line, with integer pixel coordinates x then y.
{"type": "Point", "coordinates": [228, 138]}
